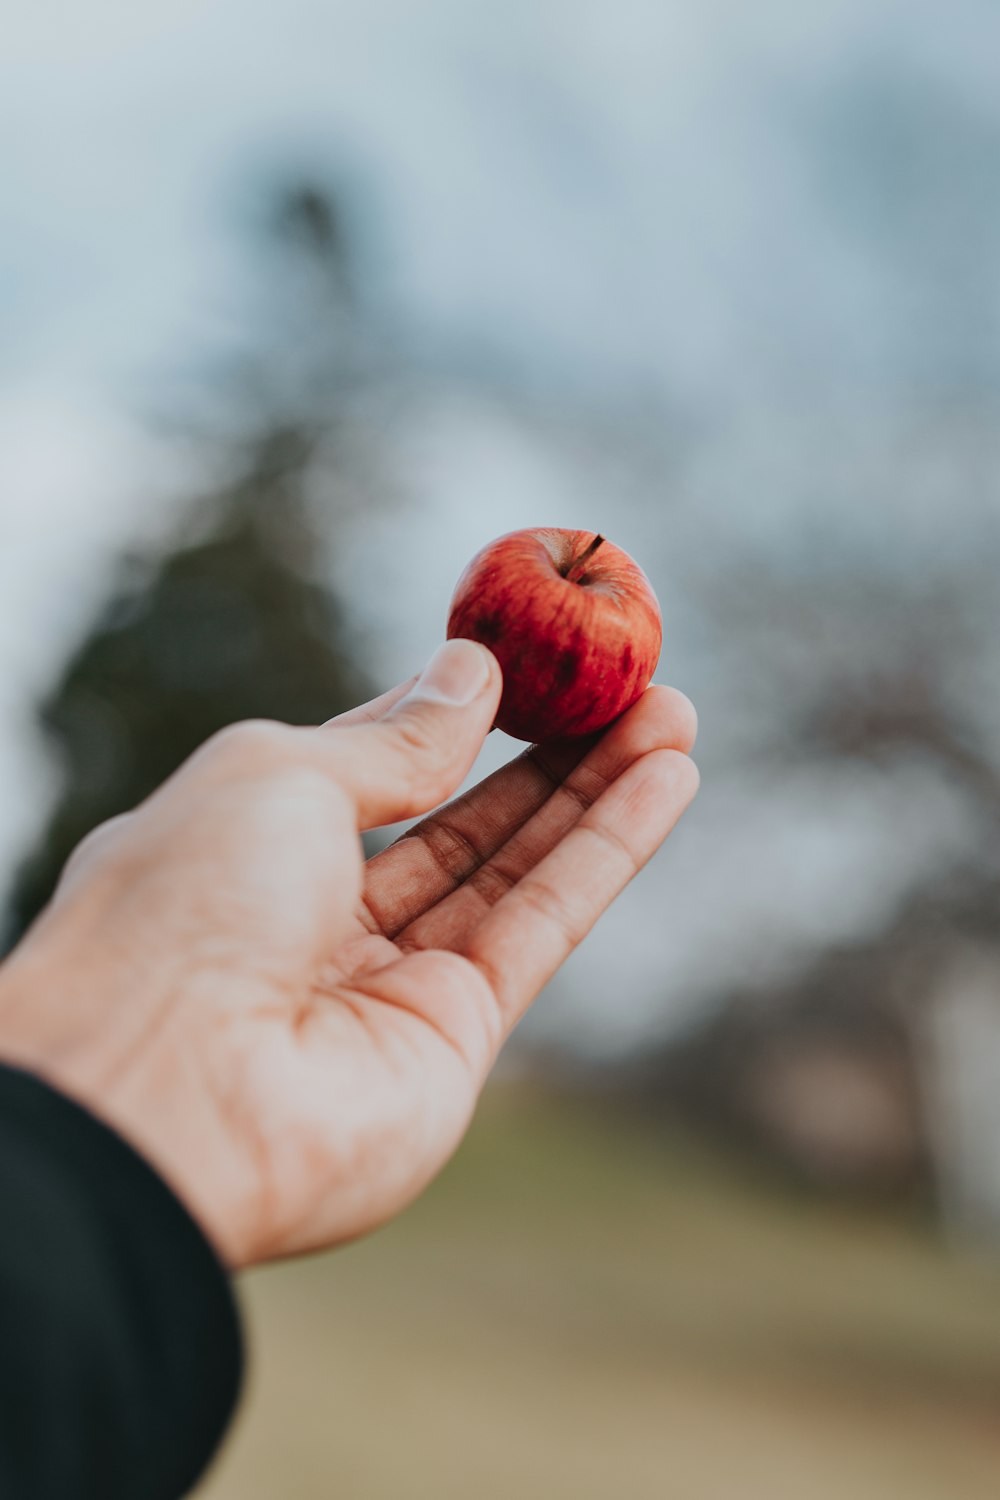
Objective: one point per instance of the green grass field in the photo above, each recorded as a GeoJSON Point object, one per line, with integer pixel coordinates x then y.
{"type": "Point", "coordinates": [578, 1310]}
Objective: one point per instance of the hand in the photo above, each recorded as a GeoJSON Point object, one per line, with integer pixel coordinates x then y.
{"type": "Point", "coordinates": [297, 1039]}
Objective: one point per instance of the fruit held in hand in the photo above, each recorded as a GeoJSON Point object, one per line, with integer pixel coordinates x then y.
{"type": "Point", "coordinates": [573, 622]}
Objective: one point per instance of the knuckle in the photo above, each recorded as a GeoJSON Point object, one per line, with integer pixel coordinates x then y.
{"type": "Point", "coordinates": [550, 904]}
{"type": "Point", "coordinates": [417, 735]}
{"type": "Point", "coordinates": [96, 846]}
{"type": "Point", "coordinates": [427, 753]}
{"type": "Point", "coordinates": [252, 744]}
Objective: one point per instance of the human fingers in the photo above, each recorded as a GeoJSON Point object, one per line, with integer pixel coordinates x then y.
{"type": "Point", "coordinates": [495, 832]}
{"type": "Point", "coordinates": [415, 755]}
{"type": "Point", "coordinates": [534, 926]}
{"type": "Point", "coordinates": [376, 708]}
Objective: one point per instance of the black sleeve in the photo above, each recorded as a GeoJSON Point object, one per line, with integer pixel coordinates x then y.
{"type": "Point", "coordinates": [120, 1353]}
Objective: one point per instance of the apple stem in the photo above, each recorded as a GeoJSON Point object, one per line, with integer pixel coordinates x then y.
{"type": "Point", "coordinates": [585, 557]}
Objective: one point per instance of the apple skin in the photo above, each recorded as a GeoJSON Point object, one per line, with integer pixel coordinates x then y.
{"type": "Point", "coordinates": [573, 622]}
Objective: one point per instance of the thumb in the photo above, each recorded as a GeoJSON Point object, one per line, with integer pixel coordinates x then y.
{"type": "Point", "coordinates": [418, 754]}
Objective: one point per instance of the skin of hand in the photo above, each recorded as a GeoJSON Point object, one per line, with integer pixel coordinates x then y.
{"type": "Point", "coordinates": [296, 1039]}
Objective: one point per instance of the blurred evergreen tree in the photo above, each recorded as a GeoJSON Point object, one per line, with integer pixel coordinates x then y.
{"type": "Point", "coordinates": [228, 623]}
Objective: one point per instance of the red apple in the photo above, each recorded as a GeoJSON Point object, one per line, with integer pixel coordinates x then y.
{"type": "Point", "coordinates": [573, 622]}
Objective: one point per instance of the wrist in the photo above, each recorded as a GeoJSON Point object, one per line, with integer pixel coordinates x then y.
{"type": "Point", "coordinates": [47, 1025]}
{"type": "Point", "coordinates": [64, 1024]}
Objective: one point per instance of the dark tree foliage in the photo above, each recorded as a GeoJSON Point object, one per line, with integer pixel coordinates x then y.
{"type": "Point", "coordinates": [230, 622]}
{"type": "Point", "coordinates": [224, 628]}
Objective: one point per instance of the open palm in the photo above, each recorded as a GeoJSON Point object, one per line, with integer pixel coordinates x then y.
{"type": "Point", "coordinates": [298, 1038]}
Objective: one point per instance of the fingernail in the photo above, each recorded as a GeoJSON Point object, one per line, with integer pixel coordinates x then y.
{"type": "Point", "coordinates": [456, 674]}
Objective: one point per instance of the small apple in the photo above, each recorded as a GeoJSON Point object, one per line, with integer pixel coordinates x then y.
{"type": "Point", "coordinates": [573, 622]}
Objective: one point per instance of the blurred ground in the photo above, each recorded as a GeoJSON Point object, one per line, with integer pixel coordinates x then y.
{"type": "Point", "coordinates": [579, 1309]}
